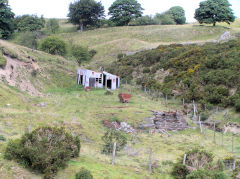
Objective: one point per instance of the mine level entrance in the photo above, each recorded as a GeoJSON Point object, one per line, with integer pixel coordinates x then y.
{"type": "Point", "coordinates": [109, 84]}
{"type": "Point", "coordinates": [92, 82]}
{"type": "Point", "coordinates": [81, 79]}
{"type": "Point", "coordinates": [104, 80]}
{"type": "Point", "coordinates": [117, 83]}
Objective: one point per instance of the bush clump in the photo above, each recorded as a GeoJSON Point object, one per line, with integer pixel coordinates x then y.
{"type": "Point", "coordinates": [53, 45]}
{"type": "Point", "coordinates": [110, 137]}
{"type": "Point", "coordinates": [45, 150]}
{"type": "Point", "coordinates": [180, 171]}
{"type": "Point", "coordinates": [198, 164]}
{"type": "Point", "coordinates": [84, 174]}
{"type": "Point", "coordinates": [2, 138]}
{"type": "Point", "coordinates": [81, 54]}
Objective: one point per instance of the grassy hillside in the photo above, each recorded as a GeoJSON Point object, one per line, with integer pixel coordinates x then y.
{"type": "Point", "coordinates": [109, 42]}
{"type": "Point", "coordinates": [63, 104]}
{"type": "Point", "coordinates": [82, 113]}
{"type": "Point", "coordinates": [34, 67]}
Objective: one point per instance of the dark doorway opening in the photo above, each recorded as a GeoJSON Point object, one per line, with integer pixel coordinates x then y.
{"type": "Point", "coordinates": [104, 80]}
{"type": "Point", "coordinates": [109, 84]}
{"type": "Point", "coordinates": [92, 82]}
{"type": "Point", "coordinates": [117, 83]}
{"type": "Point", "coordinates": [81, 79]}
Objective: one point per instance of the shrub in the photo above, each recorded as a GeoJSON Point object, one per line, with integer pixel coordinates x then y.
{"type": "Point", "coordinates": [164, 19]}
{"type": "Point", "coordinates": [29, 23]}
{"type": "Point", "coordinates": [3, 61]}
{"type": "Point", "coordinates": [53, 25]}
{"type": "Point", "coordinates": [2, 138]}
{"type": "Point", "coordinates": [204, 116]}
{"type": "Point", "coordinates": [53, 45]}
{"type": "Point", "coordinates": [110, 137]}
{"type": "Point", "coordinates": [146, 70]}
{"type": "Point", "coordinates": [92, 52]}
{"type": "Point", "coordinates": [144, 20]}
{"type": "Point", "coordinates": [29, 39]}
{"type": "Point", "coordinates": [45, 150]}
{"type": "Point", "coordinates": [237, 105]}
{"type": "Point", "coordinates": [82, 54]}
{"type": "Point", "coordinates": [201, 173]}
{"type": "Point", "coordinates": [198, 158]}
{"type": "Point", "coordinates": [84, 174]}
{"type": "Point", "coordinates": [180, 171]}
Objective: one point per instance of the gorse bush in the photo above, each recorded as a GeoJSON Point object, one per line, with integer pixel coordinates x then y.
{"type": "Point", "coordinates": [45, 150]}
{"type": "Point", "coordinates": [110, 137]}
{"type": "Point", "coordinates": [53, 45]}
{"type": "Point", "coordinates": [205, 73]}
{"type": "Point", "coordinates": [199, 164]}
{"type": "Point", "coordinates": [84, 174]}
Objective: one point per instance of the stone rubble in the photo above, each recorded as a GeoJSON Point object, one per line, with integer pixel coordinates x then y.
{"type": "Point", "coordinates": [166, 121]}
{"type": "Point", "coordinates": [121, 126]}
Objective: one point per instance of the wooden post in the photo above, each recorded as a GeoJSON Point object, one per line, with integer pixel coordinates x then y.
{"type": "Point", "coordinates": [150, 161]}
{"type": "Point", "coordinates": [214, 136]}
{"type": "Point", "coordinates": [166, 100]}
{"type": "Point", "coordinates": [183, 102]}
{"type": "Point", "coordinates": [232, 144]}
{"type": "Point", "coordinates": [200, 124]}
{"type": "Point", "coordinates": [114, 152]}
{"type": "Point", "coordinates": [194, 110]}
{"type": "Point", "coordinates": [234, 163]}
{"type": "Point", "coordinates": [184, 159]}
{"type": "Point", "coordinates": [206, 133]}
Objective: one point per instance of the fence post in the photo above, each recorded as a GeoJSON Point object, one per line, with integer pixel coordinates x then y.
{"type": "Point", "coordinates": [114, 152]}
{"type": "Point", "coordinates": [234, 163]}
{"type": "Point", "coordinates": [194, 110]}
{"type": "Point", "coordinates": [214, 136]}
{"type": "Point", "coordinates": [183, 102]}
{"type": "Point", "coordinates": [166, 100]}
{"type": "Point", "coordinates": [200, 124]}
{"type": "Point", "coordinates": [206, 133]}
{"type": "Point", "coordinates": [150, 161]}
{"type": "Point", "coordinates": [184, 159]}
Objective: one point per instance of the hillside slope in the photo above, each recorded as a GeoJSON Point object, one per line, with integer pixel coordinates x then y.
{"type": "Point", "coordinates": [35, 71]}
{"type": "Point", "coordinates": [63, 104]}
{"type": "Point", "coordinates": [59, 102]}
{"type": "Point", "coordinates": [206, 73]}
{"type": "Point", "coordinates": [109, 42]}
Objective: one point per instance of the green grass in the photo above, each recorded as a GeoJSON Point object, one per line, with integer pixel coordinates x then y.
{"type": "Point", "coordinates": [109, 42]}
{"type": "Point", "coordinates": [82, 113]}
